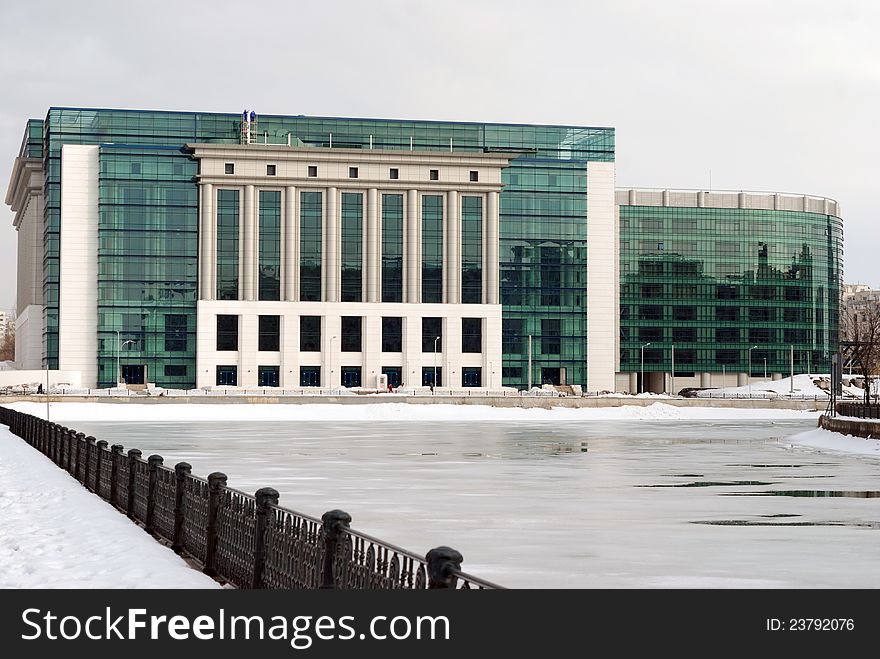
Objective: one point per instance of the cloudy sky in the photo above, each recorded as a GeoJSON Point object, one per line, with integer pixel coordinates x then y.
{"type": "Point", "coordinates": [767, 95]}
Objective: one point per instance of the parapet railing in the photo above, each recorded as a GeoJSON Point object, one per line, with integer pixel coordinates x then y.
{"type": "Point", "coordinates": [859, 410]}
{"type": "Point", "coordinates": [246, 541]}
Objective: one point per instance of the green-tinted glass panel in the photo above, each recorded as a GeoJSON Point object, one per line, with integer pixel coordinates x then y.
{"type": "Point", "coordinates": [310, 247]}
{"type": "Point", "coordinates": [392, 248]}
{"type": "Point", "coordinates": [432, 248]}
{"type": "Point", "coordinates": [352, 246]}
{"type": "Point", "coordinates": [270, 245]}
{"type": "Point", "coordinates": [227, 244]}
{"type": "Point", "coordinates": [471, 250]}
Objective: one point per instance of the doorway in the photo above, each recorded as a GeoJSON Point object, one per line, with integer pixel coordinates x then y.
{"type": "Point", "coordinates": [133, 373]}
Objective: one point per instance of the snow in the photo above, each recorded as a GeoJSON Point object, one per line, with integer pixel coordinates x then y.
{"type": "Point", "coordinates": [804, 386]}
{"type": "Point", "coordinates": [56, 534]}
{"type": "Point", "coordinates": [226, 411]}
{"type": "Point", "coordinates": [825, 440]}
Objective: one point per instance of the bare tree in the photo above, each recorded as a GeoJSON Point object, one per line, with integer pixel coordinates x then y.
{"type": "Point", "coordinates": [7, 346]}
{"type": "Point", "coordinates": [860, 325]}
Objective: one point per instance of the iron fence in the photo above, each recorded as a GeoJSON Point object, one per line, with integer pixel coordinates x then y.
{"type": "Point", "coordinates": [859, 410]}
{"type": "Point", "coordinates": [247, 541]}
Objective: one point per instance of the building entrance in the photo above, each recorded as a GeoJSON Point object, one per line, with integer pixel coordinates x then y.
{"type": "Point", "coordinates": [133, 373]}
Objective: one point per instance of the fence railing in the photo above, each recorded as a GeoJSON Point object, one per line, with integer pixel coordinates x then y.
{"type": "Point", "coordinates": [859, 410]}
{"type": "Point", "coordinates": [247, 541]}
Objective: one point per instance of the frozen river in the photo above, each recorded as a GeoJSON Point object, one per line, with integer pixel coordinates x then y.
{"type": "Point", "coordinates": [613, 504]}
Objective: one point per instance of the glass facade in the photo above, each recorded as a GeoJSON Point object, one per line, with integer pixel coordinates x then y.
{"type": "Point", "coordinates": [432, 248]}
{"type": "Point", "coordinates": [471, 250]}
{"type": "Point", "coordinates": [227, 244]}
{"type": "Point", "coordinates": [310, 247]}
{"type": "Point", "coordinates": [392, 248]}
{"type": "Point", "coordinates": [270, 245]}
{"type": "Point", "coordinates": [717, 282]}
{"type": "Point", "coordinates": [352, 246]}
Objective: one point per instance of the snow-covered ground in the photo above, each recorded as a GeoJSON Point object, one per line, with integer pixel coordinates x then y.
{"type": "Point", "coordinates": [803, 385]}
{"type": "Point", "coordinates": [72, 412]}
{"type": "Point", "coordinates": [834, 442]}
{"type": "Point", "coordinates": [56, 534]}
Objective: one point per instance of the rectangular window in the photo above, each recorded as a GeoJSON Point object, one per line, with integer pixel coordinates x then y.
{"type": "Point", "coordinates": [727, 313]}
{"type": "Point", "coordinates": [474, 176]}
{"type": "Point", "coordinates": [351, 376]}
{"type": "Point", "coordinates": [686, 356]}
{"type": "Point", "coordinates": [727, 335]}
{"type": "Point", "coordinates": [472, 335]}
{"type": "Point", "coordinates": [229, 168]}
{"type": "Point", "coordinates": [352, 246]}
{"type": "Point", "coordinates": [798, 315]}
{"type": "Point", "coordinates": [651, 291]}
{"type": "Point", "coordinates": [650, 334]}
{"type": "Point", "coordinates": [270, 171]}
{"type": "Point", "coordinates": [726, 292]}
{"type": "Point", "coordinates": [392, 247]}
{"type": "Point", "coordinates": [392, 334]}
{"type": "Point", "coordinates": [512, 340]}
{"type": "Point", "coordinates": [175, 332]}
{"type": "Point", "coordinates": [267, 376]}
{"type": "Point", "coordinates": [227, 332]}
{"type": "Point", "coordinates": [269, 333]}
{"type": "Point", "coordinates": [650, 312]}
{"type": "Point", "coordinates": [227, 376]}
{"type": "Point", "coordinates": [313, 171]}
{"type": "Point", "coordinates": [762, 292]}
{"type": "Point", "coordinates": [393, 173]}
{"type": "Point", "coordinates": [471, 250]}
{"type": "Point", "coordinates": [270, 244]}
{"type": "Point", "coordinates": [432, 377]}
{"type": "Point", "coordinates": [175, 370]}
{"type": "Point", "coordinates": [310, 246]}
{"type": "Point", "coordinates": [432, 329]}
{"type": "Point", "coordinates": [432, 248]}
{"type": "Point", "coordinates": [351, 333]}
{"type": "Point", "coordinates": [762, 335]}
{"type": "Point", "coordinates": [551, 330]}
{"type": "Point", "coordinates": [684, 334]}
{"type": "Point", "coordinates": [227, 244]}
{"type": "Point", "coordinates": [727, 357]}
{"type": "Point", "coordinates": [471, 376]}
{"type": "Point", "coordinates": [310, 334]}
{"type": "Point", "coordinates": [395, 375]}
{"type": "Point", "coordinates": [794, 294]}
{"type": "Point", "coordinates": [551, 275]}
{"type": "Point", "coordinates": [762, 314]}
{"type": "Point", "coordinates": [352, 172]}
{"type": "Point", "coordinates": [684, 313]}
{"type": "Point", "coordinates": [434, 174]}
{"type": "Point", "coordinates": [310, 376]}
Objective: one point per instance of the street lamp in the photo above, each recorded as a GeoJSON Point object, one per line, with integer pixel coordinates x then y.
{"type": "Point", "coordinates": [672, 384]}
{"type": "Point", "coordinates": [765, 368]}
{"type": "Point", "coordinates": [643, 365]}
{"type": "Point", "coordinates": [119, 347]}
{"type": "Point", "coordinates": [330, 363]}
{"type": "Point", "coordinates": [749, 374]}
{"type": "Point", "coordinates": [434, 381]}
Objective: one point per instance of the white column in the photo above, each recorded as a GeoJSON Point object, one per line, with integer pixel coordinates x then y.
{"type": "Point", "coordinates": [451, 255]}
{"type": "Point", "coordinates": [372, 252]}
{"type": "Point", "coordinates": [331, 249]}
{"type": "Point", "coordinates": [247, 266]}
{"type": "Point", "coordinates": [206, 251]}
{"type": "Point", "coordinates": [290, 248]}
{"type": "Point", "coordinates": [412, 231]}
{"type": "Point", "coordinates": [491, 265]}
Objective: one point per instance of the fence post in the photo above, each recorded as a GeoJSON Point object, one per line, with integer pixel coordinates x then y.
{"type": "Point", "coordinates": [78, 441]}
{"type": "Point", "coordinates": [216, 481]}
{"type": "Point", "coordinates": [442, 561]}
{"type": "Point", "coordinates": [90, 446]}
{"type": "Point", "coordinates": [333, 522]}
{"type": "Point", "coordinates": [68, 442]}
{"type": "Point", "coordinates": [181, 471]}
{"type": "Point", "coordinates": [133, 455]}
{"type": "Point", "coordinates": [265, 496]}
{"type": "Point", "coordinates": [153, 464]}
{"type": "Point", "coordinates": [115, 457]}
{"type": "Point", "coordinates": [100, 445]}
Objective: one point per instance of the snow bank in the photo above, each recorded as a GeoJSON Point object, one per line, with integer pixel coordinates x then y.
{"type": "Point", "coordinates": [72, 412]}
{"type": "Point", "coordinates": [804, 385]}
{"type": "Point", "coordinates": [825, 440]}
{"type": "Point", "coordinates": [56, 534]}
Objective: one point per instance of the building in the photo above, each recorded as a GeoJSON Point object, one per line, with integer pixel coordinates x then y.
{"type": "Point", "coordinates": [202, 249]}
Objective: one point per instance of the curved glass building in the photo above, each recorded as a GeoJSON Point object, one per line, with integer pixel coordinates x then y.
{"type": "Point", "coordinates": [717, 286]}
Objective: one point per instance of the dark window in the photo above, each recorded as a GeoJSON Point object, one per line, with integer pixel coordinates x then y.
{"type": "Point", "coordinates": [270, 171]}
{"type": "Point", "coordinates": [229, 168]}
{"type": "Point", "coordinates": [227, 332]}
{"type": "Point", "coordinates": [175, 370]}
{"type": "Point", "coordinates": [431, 329]}
{"type": "Point", "coordinates": [310, 334]}
{"type": "Point", "coordinates": [313, 170]}
{"type": "Point", "coordinates": [269, 333]}
{"type": "Point", "coordinates": [512, 339]}
{"type": "Point", "coordinates": [353, 173]}
{"type": "Point", "coordinates": [351, 335]}
{"type": "Point", "coordinates": [798, 315]}
{"type": "Point", "coordinates": [727, 357]}
{"type": "Point", "coordinates": [652, 312]}
{"type": "Point", "coordinates": [310, 376]}
{"type": "Point", "coordinates": [624, 333]}
{"type": "Point", "coordinates": [511, 372]}
{"type": "Point", "coordinates": [651, 291]}
{"type": "Point", "coordinates": [762, 314]}
{"type": "Point", "coordinates": [684, 313]}
{"type": "Point", "coordinates": [650, 334]}
{"type": "Point", "coordinates": [434, 175]}
{"type": "Point", "coordinates": [726, 313]}
{"type": "Point", "coordinates": [392, 334]}
{"type": "Point", "coordinates": [351, 376]}
{"type": "Point", "coordinates": [475, 175]}
{"type": "Point", "coordinates": [394, 173]}
{"type": "Point", "coordinates": [684, 334]}
{"type": "Point", "coordinates": [686, 356]}
{"type": "Point", "coordinates": [428, 376]}
{"type": "Point", "coordinates": [395, 375]}
{"type": "Point", "coordinates": [794, 294]}
{"type": "Point", "coordinates": [762, 335]}
{"type": "Point", "coordinates": [653, 355]}
{"type": "Point", "coordinates": [762, 292]}
{"type": "Point", "coordinates": [727, 335]}
{"type": "Point", "coordinates": [471, 377]}
{"type": "Point", "coordinates": [135, 168]}
{"type": "Point", "coordinates": [175, 332]}
{"type": "Point", "coordinates": [794, 336]}
{"type": "Point", "coordinates": [267, 376]}
{"type": "Point", "coordinates": [472, 335]}
{"type": "Point", "coordinates": [227, 376]}
{"type": "Point", "coordinates": [551, 330]}
{"type": "Point", "coordinates": [726, 292]}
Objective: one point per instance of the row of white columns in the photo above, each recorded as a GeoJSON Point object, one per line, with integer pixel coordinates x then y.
{"type": "Point", "coordinates": [331, 243]}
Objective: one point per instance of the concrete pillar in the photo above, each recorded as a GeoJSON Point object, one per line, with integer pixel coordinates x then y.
{"type": "Point", "coordinates": [632, 197]}
{"type": "Point", "coordinates": [705, 380]}
{"type": "Point", "coordinates": [665, 197]}
{"type": "Point", "coordinates": [207, 240]}
{"type": "Point", "coordinates": [742, 379]}
{"type": "Point", "coordinates": [741, 200]}
{"type": "Point", "coordinates": [331, 249]}
{"type": "Point", "coordinates": [372, 252]}
{"type": "Point", "coordinates": [247, 265]}
{"type": "Point", "coordinates": [451, 256]}
{"type": "Point", "coordinates": [775, 376]}
{"type": "Point", "coordinates": [290, 248]}
{"type": "Point", "coordinates": [633, 383]}
{"type": "Point", "coordinates": [412, 248]}
{"type": "Point", "coordinates": [492, 231]}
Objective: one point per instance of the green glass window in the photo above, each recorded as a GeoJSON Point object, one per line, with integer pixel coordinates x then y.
{"type": "Point", "coordinates": [472, 250]}
{"type": "Point", "coordinates": [270, 245]}
{"type": "Point", "coordinates": [352, 246]}
{"type": "Point", "coordinates": [227, 244]}
{"type": "Point", "coordinates": [432, 248]}
{"type": "Point", "coordinates": [310, 247]}
{"type": "Point", "coordinates": [392, 248]}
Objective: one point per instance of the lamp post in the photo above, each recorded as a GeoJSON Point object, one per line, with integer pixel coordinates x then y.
{"type": "Point", "coordinates": [749, 374]}
{"type": "Point", "coordinates": [765, 368]}
{"type": "Point", "coordinates": [434, 381]}
{"type": "Point", "coordinates": [672, 384]}
{"type": "Point", "coordinates": [330, 363]}
{"type": "Point", "coordinates": [642, 369]}
{"type": "Point", "coordinates": [530, 363]}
